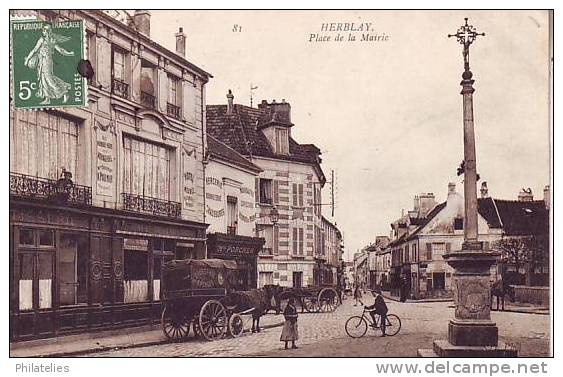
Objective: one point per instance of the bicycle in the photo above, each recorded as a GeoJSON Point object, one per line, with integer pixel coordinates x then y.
{"type": "Point", "coordinates": [357, 326]}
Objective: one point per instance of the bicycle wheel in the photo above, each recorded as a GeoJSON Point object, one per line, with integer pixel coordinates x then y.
{"type": "Point", "coordinates": [393, 325]}
{"type": "Point", "coordinates": [356, 326]}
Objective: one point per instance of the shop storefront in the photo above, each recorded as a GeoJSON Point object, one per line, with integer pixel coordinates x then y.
{"type": "Point", "coordinates": [76, 268]}
{"type": "Point", "coordinates": [241, 249]}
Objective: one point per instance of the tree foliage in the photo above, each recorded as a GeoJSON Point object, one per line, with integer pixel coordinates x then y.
{"type": "Point", "coordinates": [519, 251]}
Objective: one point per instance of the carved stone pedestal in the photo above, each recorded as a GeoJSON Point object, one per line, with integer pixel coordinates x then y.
{"type": "Point", "coordinates": [471, 333]}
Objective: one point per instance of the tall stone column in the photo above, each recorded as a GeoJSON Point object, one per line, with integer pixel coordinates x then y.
{"type": "Point", "coordinates": [471, 333]}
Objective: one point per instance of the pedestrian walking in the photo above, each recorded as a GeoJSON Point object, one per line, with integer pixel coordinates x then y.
{"type": "Point", "coordinates": [357, 294]}
{"type": "Point", "coordinates": [289, 330]}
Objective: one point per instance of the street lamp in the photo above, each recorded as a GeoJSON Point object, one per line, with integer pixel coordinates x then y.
{"type": "Point", "coordinates": [274, 215]}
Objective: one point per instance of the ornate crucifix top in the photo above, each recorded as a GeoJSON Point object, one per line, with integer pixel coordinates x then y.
{"type": "Point", "coordinates": [465, 35]}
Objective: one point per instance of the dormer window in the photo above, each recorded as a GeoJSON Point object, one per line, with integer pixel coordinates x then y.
{"type": "Point", "coordinates": [282, 141]}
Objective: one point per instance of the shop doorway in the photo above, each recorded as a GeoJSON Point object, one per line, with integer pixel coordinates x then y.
{"type": "Point", "coordinates": [297, 279]}
{"type": "Point", "coordinates": [73, 270]}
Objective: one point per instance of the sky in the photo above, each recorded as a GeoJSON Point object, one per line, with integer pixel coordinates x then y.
{"type": "Point", "coordinates": [387, 114]}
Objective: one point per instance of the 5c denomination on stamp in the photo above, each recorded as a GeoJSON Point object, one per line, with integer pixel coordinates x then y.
{"type": "Point", "coordinates": [45, 57]}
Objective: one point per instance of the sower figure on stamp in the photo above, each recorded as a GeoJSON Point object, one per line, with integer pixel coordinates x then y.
{"type": "Point", "coordinates": [41, 59]}
{"type": "Point", "coordinates": [379, 307]}
{"type": "Point", "coordinates": [289, 331]}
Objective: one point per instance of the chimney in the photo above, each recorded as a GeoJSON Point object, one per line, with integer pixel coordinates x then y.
{"type": "Point", "coordinates": [230, 98]}
{"type": "Point", "coordinates": [180, 42]}
{"type": "Point", "coordinates": [279, 112]}
{"type": "Point", "coordinates": [547, 196]}
{"type": "Point", "coordinates": [427, 202]}
{"type": "Point", "coordinates": [142, 21]}
{"type": "Point", "coordinates": [484, 190]}
{"type": "Point", "coordinates": [525, 195]}
{"type": "Point", "coordinates": [416, 203]}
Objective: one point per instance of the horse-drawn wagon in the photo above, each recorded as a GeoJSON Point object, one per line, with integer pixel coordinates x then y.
{"type": "Point", "coordinates": [203, 294]}
{"type": "Point", "coordinates": [312, 299]}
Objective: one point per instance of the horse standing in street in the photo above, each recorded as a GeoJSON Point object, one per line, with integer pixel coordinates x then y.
{"type": "Point", "coordinates": [499, 289]}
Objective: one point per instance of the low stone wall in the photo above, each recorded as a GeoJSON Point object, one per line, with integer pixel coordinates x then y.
{"type": "Point", "coordinates": [532, 295]}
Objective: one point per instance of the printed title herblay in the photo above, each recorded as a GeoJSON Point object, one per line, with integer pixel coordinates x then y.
{"type": "Point", "coordinates": [346, 26]}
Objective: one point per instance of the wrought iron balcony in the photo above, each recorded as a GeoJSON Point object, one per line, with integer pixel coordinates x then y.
{"type": "Point", "coordinates": [173, 110]}
{"type": "Point", "coordinates": [61, 191]}
{"type": "Point", "coordinates": [153, 206]}
{"type": "Point", "coordinates": [148, 100]}
{"type": "Point", "coordinates": [121, 88]}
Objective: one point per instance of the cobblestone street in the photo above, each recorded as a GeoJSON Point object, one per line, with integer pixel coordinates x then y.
{"type": "Point", "coordinates": [323, 334]}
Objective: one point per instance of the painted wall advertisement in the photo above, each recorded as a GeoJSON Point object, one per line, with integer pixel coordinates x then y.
{"type": "Point", "coordinates": [104, 158]}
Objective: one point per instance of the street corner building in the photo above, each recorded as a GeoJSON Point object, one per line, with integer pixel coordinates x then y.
{"type": "Point", "coordinates": [102, 195]}
{"type": "Point", "coordinates": [287, 193]}
{"type": "Point", "coordinates": [410, 263]}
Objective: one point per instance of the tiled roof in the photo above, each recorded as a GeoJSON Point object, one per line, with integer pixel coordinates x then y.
{"type": "Point", "coordinates": [523, 218]}
{"type": "Point", "coordinates": [239, 130]}
{"type": "Point", "coordinates": [427, 219]}
{"type": "Point", "coordinates": [225, 153]}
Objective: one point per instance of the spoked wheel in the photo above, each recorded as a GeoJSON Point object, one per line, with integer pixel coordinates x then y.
{"type": "Point", "coordinates": [175, 325]}
{"type": "Point", "coordinates": [311, 304]}
{"type": "Point", "coordinates": [393, 325]}
{"type": "Point", "coordinates": [328, 299]}
{"type": "Point", "coordinates": [236, 325]}
{"type": "Point", "coordinates": [356, 326]}
{"type": "Point", "coordinates": [197, 330]}
{"type": "Point", "coordinates": [213, 320]}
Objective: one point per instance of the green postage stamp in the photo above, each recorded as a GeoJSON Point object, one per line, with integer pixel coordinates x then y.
{"type": "Point", "coordinates": [45, 58]}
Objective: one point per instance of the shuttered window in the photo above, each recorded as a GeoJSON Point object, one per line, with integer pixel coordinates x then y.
{"type": "Point", "coordinates": [428, 251]}
{"type": "Point", "coordinates": [146, 169]}
{"type": "Point", "coordinates": [297, 195]}
{"type": "Point", "coordinates": [44, 144]}
{"type": "Point", "coordinates": [297, 241]}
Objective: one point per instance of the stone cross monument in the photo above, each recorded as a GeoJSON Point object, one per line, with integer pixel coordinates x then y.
{"type": "Point", "coordinates": [471, 333]}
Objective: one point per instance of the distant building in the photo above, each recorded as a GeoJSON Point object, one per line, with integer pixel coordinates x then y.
{"type": "Point", "coordinates": [416, 255]}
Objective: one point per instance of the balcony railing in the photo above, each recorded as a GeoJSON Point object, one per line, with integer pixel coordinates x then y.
{"type": "Point", "coordinates": [26, 186]}
{"type": "Point", "coordinates": [264, 200]}
{"type": "Point", "coordinates": [121, 88]}
{"type": "Point", "coordinates": [173, 110]}
{"type": "Point", "coordinates": [153, 206]}
{"type": "Point", "coordinates": [148, 100]}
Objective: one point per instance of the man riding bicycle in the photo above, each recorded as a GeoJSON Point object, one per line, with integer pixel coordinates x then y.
{"type": "Point", "coordinates": [378, 307]}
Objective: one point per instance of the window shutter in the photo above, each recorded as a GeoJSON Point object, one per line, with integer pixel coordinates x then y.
{"type": "Point", "coordinates": [486, 245]}
{"type": "Point", "coordinates": [448, 247]}
{"type": "Point", "coordinates": [295, 193]}
{"type": "Point", "coordinates": [257, 190]}
{"type": "Point", "coordinates": [276, 239]}
{"type": "Point", "coordinates": [295, 241]}
{"type": "Point", "coordinates": [276, 191]}
{"type": "Point", "coordinates": [300, 195]}
{"type": "Point", "coordinates": [300, 241]}
{"type": "Point", "coordinates": [428, 251]}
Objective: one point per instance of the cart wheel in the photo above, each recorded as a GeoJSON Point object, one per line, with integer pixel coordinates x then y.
{"type": "Point", "coordinates": [328, 298]}
{"type": "Point", "coordinates": [175, 325]}
{"type": "Point", "coordinates": [197, 330]}
{"type": "Point", "coordinates": [213, 320]}
{"type": "Point", "coordinates": [311, 304]}
{"type": "Point", "coordinates": [236, 325]}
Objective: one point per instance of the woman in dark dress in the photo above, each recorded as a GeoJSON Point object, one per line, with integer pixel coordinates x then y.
{"type": "Point", "coordinates": [289, 331]}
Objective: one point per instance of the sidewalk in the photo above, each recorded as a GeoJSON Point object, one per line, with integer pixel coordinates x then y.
{"type": "Point", "coordinates": [74, 345]}
{"type": "Point", "coordinates": [514, 307]}
{"type": "Point", "coordinates": [388, 296]}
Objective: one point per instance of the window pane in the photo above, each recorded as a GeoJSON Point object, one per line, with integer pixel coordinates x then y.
{"type": "Point", "coordinates": [26, 281]}
{"type": "Point", "coordinates": [26, 237]}
{"type": "Point", "coordinates": [135, 276]}
{"type": "Point", "coordinates": [45, 272]}
{"type": "Point", "coordinates": [46, 238]}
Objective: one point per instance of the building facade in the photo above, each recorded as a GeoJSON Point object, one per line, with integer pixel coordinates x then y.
{"type": "Point", "coordinates": [230, 210]}
{"type": "Point", "coordinates": [287, 190]}
{"type": "Point", "coordinates": [101, 196]}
